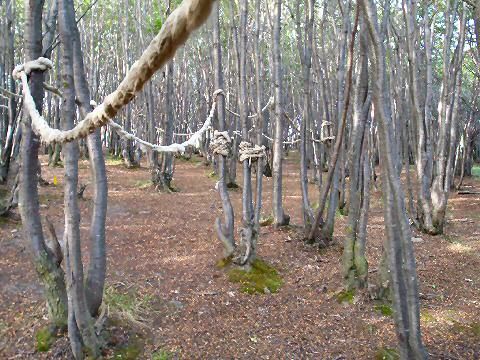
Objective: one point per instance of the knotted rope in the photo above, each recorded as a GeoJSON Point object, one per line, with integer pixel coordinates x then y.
{"type": "Point", "coordinates": [326, 137]}
{"type": "Point", "coordinates": [41, 64]}
{"type": "Point", "coordinates": [186, 18]}
{"type": "Point", "coordinates": [221, 143]}
{"type": "Point", "coordinates": [247, 151]}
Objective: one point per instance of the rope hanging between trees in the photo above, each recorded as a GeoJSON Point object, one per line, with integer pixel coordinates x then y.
{"type": "Point", "coordinates": [247, 151]}
{"type": "Point", "coordinates": [179, 25]}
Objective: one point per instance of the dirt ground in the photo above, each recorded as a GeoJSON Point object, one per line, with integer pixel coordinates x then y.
{"type": "Point", "coordinates": [168, 299]}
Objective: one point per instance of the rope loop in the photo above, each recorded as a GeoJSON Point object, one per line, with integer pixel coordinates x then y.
{"type": "Point", "coordinates": [247, 151]}
{"type": "Point", "coordinates": [221, 143]}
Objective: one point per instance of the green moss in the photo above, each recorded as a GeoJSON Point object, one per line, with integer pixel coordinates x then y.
{"type": "Point", "coordinates": [130, 351]}
{"type": "Point", "coordinates": [476, 171]}
{"type": "Point", "coordinates": [162, 355]}
{"type": "Point", "coordinates": [472, 329]}
{"type": "Point", "coordinates": [262, 278]}
{"type": "Point", "coordinates": [346, 296]}
{"type": "Point", "coordinates": [384, 309]}
{"type": "Point", "coordinates": [386, 354]}
{"type": "Point", "coordinates": [426, 317]}
{"type": "Point", "coordinates": [212, 175]}
{"type": "Point", "coordinates": [224, 262]}
{"type": "Point", "coordinates": [143, 184]}
{"type": "Point", "coordinates": [113, 160]}
{"type": "Point", "coordinates": [266, 221]}
{"type": "Point", "coordinates": [44, 339]}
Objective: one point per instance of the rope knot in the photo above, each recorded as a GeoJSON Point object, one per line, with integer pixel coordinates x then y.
{"type": "Point", "coordinates": [221, 143]}
{"type": "Point", "coordinates": [41, 64]}
{"type": "Point", "coordinates": [250, 152]}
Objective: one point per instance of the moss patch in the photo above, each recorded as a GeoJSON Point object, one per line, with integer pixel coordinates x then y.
{"type": "Point", "coordinates": [345, 296]}
{"type": "Point", "coordinates": [472, 329]}
{"type": "Point", "coordinates": [143, 184]}
{"type": "Point", "coordinates": [212, 175]}
{"type": "Point", "coordinates": [384, 309]}
{"type": "Point", "coordinates": [113, 160]}
{"type": "Point", "coordinates": [130, 351]}
{"type": "Point", "coordinates": [266, 221]}
{"type": "Point", "coordinates": [44, 339]}
{"type": "Point", "coordinates": [386, 354]}
{"type": "Point", "coordinates": [262, 278]}
{"type": "Point", "coordinates": [426, 317]}
{"type": "Point", "coordinates": [224, 262]}
{"type": "Point", "coordinates": [162, 355]}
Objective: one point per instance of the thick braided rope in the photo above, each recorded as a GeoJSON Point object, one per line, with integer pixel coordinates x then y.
{"type": "Point", "coordinates": [221, 143]}
{"type": "Point", "coordinates": [247, 151]}
{"type": "Point", "coordinates": [173, 148]}
{"type": "Point", "coordinates": [189, 15]}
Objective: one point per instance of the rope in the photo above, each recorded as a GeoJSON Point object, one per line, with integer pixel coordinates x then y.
{"type": "Point", "coordinates": [175, 147]}
{"type": "Point", "coordinates": [247, 151]}
{"type": "Point", "coordinates": [271, 101]}
{"type": "Point", "coordinates": [180, 24]}
{"type": "Point", "coordinates": [324, 138]}
{"type": "Point", "coordinates": [221, 143]}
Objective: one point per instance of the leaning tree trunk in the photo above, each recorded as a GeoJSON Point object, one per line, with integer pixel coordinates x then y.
{"type": "Point", "coordinates": [97, 266]}
{"type": "Point", "coordinates": [280, 218]}
{"type": "Point", "coordinates": [398, 241]}
{"type": "Point", "coordinates": [47, 263]}
{"type": "Point", "coordinates": [225, 232]}
{"type": "Point", "coordinates": [355, 263]}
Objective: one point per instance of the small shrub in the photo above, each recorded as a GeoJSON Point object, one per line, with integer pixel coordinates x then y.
{"type": "Point", "coordinates": [384, 309]}
{"type": "Point", "coordinates": [44, 339]}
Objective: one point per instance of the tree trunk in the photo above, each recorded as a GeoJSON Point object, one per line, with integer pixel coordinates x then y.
{"type": "Point", "coordinates": [398, 241]}
{"type": "Point", "coordinates": [280, 218]}
{"type": "Point", "coordinates": [47, 266]}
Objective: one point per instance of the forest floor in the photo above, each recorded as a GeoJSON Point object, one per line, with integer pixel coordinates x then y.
{"type": "Point", "coordinates": [168, 299]}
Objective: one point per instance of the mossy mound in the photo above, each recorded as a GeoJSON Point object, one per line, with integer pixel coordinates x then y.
{"type": "Point", "coordinates": [262, 278]}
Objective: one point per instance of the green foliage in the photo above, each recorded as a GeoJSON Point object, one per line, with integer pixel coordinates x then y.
{"type": "Point", "coordinates": [262, 278]}
{"type": "Point", "coordinates": [385, 353]}
{"type": "Point", "coordinates": [346, 296]}
{"type": "Point", "coordinates": [44, 339]}
{"type": "Point", "coordinates": [384, 309]}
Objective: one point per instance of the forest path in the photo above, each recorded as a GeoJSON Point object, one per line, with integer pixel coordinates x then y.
{"type": "Point", "coordinates": [162, 255]}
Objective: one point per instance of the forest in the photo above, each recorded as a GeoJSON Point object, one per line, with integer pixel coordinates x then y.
{"type": "Point", "coordinates": [240, 179]}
